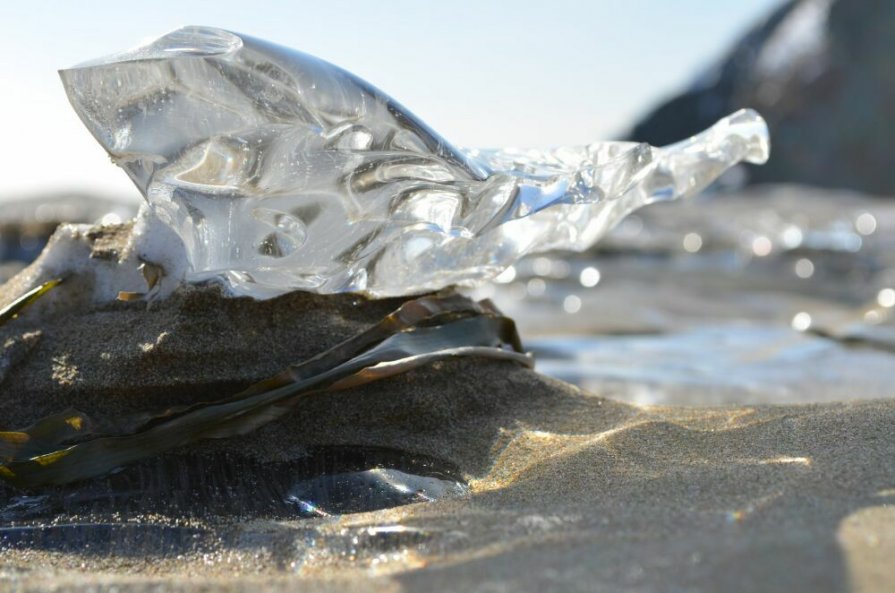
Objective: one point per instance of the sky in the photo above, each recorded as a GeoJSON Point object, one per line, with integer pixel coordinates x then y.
{"type": "Point", "coordinates": [486, 74]}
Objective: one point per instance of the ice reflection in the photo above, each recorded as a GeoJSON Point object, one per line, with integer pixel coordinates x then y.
{"type": "Point", "coordinates": [804, 268]}
{"type": "Point", "coordinates": [886, 298]}
{"type": "Point", "coordinates": [571, 304]}
{"type": "Point", "coordinates": [692, 242]}
{"type": "Point", "coordinates": [368, 490]}
{"type": "Point", "coordinates": [589, 277]}
{"type": "Point", "coordinates": [865, 223]}
{"type": "Point", "coordinates": [801, 321]}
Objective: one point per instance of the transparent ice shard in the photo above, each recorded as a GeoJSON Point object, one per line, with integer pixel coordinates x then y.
{"type": "Point", "coordinates": [279, 172]}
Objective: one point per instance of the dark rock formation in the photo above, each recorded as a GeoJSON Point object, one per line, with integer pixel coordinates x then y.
{"type": "Point", "coordinates": [822, 72]}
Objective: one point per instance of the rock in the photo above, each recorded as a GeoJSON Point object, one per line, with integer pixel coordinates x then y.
{"type": "Point", "coordinates": [822, 73]}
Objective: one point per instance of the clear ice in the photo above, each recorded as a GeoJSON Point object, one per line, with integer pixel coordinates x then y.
{"type": "Point", "coordinates": [280, 172]}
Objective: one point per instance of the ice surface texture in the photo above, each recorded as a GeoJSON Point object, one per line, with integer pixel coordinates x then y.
{"type": "Point", "coordinates": [281, 172]}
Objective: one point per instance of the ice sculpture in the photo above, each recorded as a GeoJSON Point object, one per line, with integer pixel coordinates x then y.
{"type": "Point", "coordinates": [279, 172]}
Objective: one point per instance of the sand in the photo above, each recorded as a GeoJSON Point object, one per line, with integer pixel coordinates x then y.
{"type": "Point", "coordinates": [572, 492]}
{"type": "Point", "coordinates": [569, 491]}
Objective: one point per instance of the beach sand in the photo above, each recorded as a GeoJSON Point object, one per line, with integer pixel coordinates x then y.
{"type": "Point", "coordinates": [569, 491]}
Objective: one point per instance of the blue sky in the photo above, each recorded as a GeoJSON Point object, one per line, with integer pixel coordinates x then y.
{"type": "Point", "coordinates": [481, 73]}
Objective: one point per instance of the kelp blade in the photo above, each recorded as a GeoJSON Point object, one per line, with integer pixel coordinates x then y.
{"type": "Point", "coordinates": [14, 308]}
{"type": "Point", "coordinates": [419, 332]}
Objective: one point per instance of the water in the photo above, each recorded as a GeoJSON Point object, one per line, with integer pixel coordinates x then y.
{"type": "Point", "coordinates": [776, 295]}
{"type": "Point", "coordinates": [719, 364]}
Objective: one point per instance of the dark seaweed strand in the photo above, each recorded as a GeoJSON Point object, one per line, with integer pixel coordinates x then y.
{"type": "Point", "coordinates": [398, 343]}
{"type": "Point", "coordinates": [416, 313]}
{"type": "Point", "coordinates": [15, 307]}
{"type": "Point", "coordinates": [389, 359]}
{"type": "Point", "coordinates": [69, 427]}
{"type": "Point", "coordinates": [102, 454]}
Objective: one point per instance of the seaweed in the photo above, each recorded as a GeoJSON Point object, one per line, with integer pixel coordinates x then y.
{"type": "Point", "coordinates": [67, 446]}
{"type": "Point", "coordinates": [14, 308]}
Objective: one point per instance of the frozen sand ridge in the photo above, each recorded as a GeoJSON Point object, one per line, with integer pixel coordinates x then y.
{"type": "Point", "coordinates": [107, 260]}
